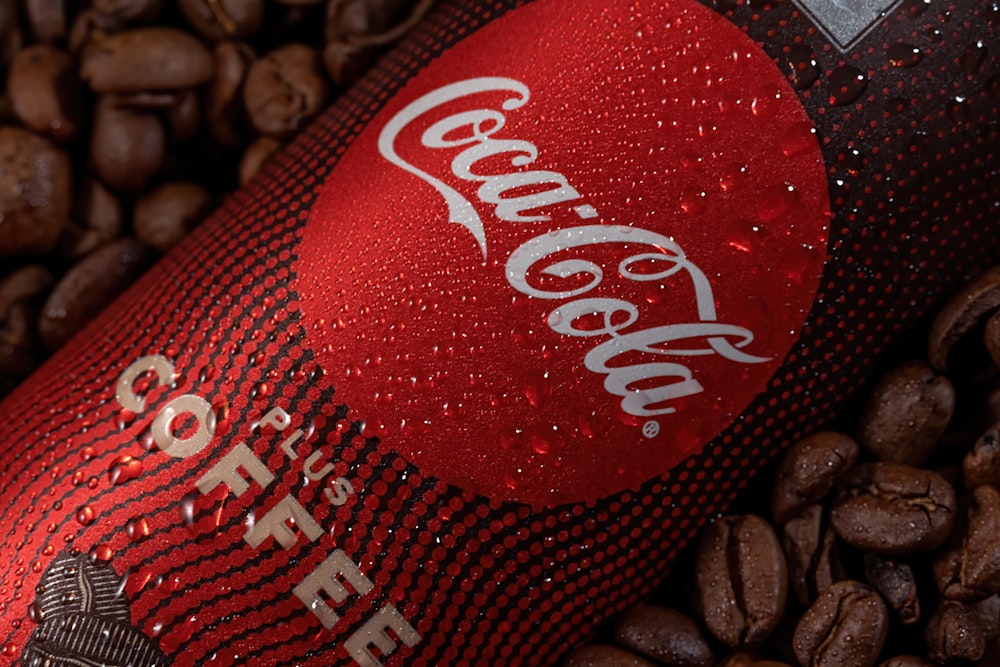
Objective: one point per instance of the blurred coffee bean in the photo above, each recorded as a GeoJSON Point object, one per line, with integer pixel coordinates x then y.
{"type": "Point", "coordinates": [46, 93]}
{"type": "Point", "coordinates": [164, 215]}
{"type": "Point", "coordinates": [89, 286]}
{"type": "Point", "coordinates": [742, 579]}
{"type": "Point", "coordinates": [981, 549]}
{"type": "Point", "coordinates": [127, 147]}
{"type": "Point", "coordinates": [961, 313]}
{"type": "Point", "coordinates": [129, 12]}
{"type": "Point", "coordinates": [47, 19]}
{"type": "Point", "coordinates": [225, 116]}
{"type": "Point", "coordinates": [809, 470]}
{"type": "Point", "coordinates": [255, 156]}
{"type": "Point", "coordinates": [97, 218]}
{"type": "Point", "coordinates": [906, 414]}
{"type": "Point", "coordinates": [847, 625]}
{"type": "Point", "coordinates": [982, 464]}
{"type": "Point", "coordinates": [183, 117]}
{"type": "Point", "coordinates": [603, 655]}
{"type": "Point", "coordinates": [223, 19]}
{"type": "Point", "coordinates": [987, 613]}
{"type": "Point", "coordinates": [893, 509]}
{"type": "Point", "coordinates": [665, 635]}
{"type": "Point", "coordinates": [284, 89]}
{"type": "Point", "coordinates": [953, 634]}
{"type": "Point", "coordinates": [35, 192]}
{"type": "Point", "coordinates": [10, 31]}
{"type": "Point", "coordinates": [145, 59]}
{"type": "Point", "coordinates": [810, 547]}
{"type": "Point", "coordinates": [896, 584]}
{"type": "Point", "coordinates": [906, 661]}
{"type": "Point", "coordinates": [20, 294]}
{"type": "Point", "coordinates": [991, 337]}
{"type": "Point", "coordinates": [90, 26]}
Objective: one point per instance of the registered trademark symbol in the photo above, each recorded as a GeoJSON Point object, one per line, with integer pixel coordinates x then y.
{"type": "Point", "coordinates": [651, 429]}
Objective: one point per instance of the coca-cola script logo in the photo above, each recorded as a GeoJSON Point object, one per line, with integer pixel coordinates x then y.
{"type": "Point", "coordinates": [549, 273]}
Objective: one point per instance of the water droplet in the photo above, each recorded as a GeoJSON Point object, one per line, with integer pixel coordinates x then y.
{"type": "Point", "coordinates": [87, 453]}
{"type": "Point", "coordinates": [904, 55]}
{"type": "Point", "coordinates": [137, 529]}
{"type": "Point", "coordinates": [775, 201]}
{"type": "Point", "coordinates": [693, 201]}
{"type": "Point", "coordinates": [851, 161]}
{"type": "Point", "coordinates": [101, 552]}
{"type": "Point", "coordinates": [85, 515]}
{"type": "Point", "coordinates": [959, 110]}
{"type": "Point", "coordinates": [802, 63]}
{"type": "Point", "coordinates": [124, 418]}
{"type": "Point", "coordinates": [846, 85]}
{"type": "Point", "coordinates": [973, 57]}
{"type": "Point", "coordinates": [146, 440]}
{"type": "Point", "coordinates": [798, 138]}
{"type": "Point", "coordinates": [9, 649]}
{"type": "Point", "coordinates": [538, 389]}
{"type": "Point", "coordinates": [93, 483]}
{"type": "Point", "coordinates": [124, 469]}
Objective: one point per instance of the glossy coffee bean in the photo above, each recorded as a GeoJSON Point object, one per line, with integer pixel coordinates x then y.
{"type": "Point", "coordinates": [46, 93]}
{"type": "Point", "coordinates": [810, 547]}
{"type": "Point", "coordinates": [146, 59]}
{"type": "Point", "coordinates": [284, 89]}
{"type": "Point", "coordinates": [847, 625]}
{"type": "Point", "coordinates": [664, 635]}
{"type": "Point", "coordinates": [961, 313]}
{"type": "Point", "coordinates": [906, 414]}
{"type": "Point", "coordinates": [893, 510]}
{"type": "Point", "coordinates": [164, 215]}
{"type": "Point", "coordinates": [894, 581]}
{"type": "Point", "coordinates": [742, 579]}
{"type": "Point", "coordinates": [809, 470]}
{"type": "Point", "coordinates": [982, 464]}
{"type": "Point", "coordinates": [953, 634]}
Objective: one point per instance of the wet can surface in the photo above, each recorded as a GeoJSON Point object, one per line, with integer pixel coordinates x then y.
{"type": "Point", "coordinates": [464, 370]}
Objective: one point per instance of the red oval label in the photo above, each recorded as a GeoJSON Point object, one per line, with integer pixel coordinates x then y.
{"type": "Point", "coordinates": [571, 251]}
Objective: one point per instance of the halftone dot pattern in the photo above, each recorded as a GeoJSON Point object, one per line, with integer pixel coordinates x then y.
{"type": "Point", "coordinates": [907, 125]}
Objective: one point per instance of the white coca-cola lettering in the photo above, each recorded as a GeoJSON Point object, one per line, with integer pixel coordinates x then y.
{"type": "Point", "coordinates": [645, 387]}
{"type": "Point", "coordinates": [631, 382]}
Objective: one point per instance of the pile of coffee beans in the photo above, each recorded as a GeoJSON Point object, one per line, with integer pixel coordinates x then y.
{"type": "Point", "coordinates": [881, 542]}
{"type": "Point", "coordinates": [123, 122]}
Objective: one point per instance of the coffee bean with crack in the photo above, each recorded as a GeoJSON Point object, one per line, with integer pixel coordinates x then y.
{"type": "Point", "coordinates": [664, 635]}
{"type": "Point", "coordinates": [981, 547]}
{"type": "Point", "coordinates": [961, 313]}
{"type": "Point", "coordinates": [809, 470]}
{"type": "Point", "coordinates": [741, 579]}
{"type": "Point", "coordinates": [284, 89]}
{"type": "Point", "coordinates": [953, 634]}
{"type": "Point", "coordinates": [846, 625]}
{"type": "Point", "coordinates": [894, 581]}
{"type": "Point", "coordinates": [810, 547]}
{"type": "Point", "coordinates": [893, 510]}
{"type": "Point", "coordinates": [906, 414]}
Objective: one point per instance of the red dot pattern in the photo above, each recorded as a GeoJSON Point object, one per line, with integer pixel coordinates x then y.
{"type": "Point", "coordinates": [910, 143]}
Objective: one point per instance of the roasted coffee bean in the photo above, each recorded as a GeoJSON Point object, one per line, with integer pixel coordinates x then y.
{"type": "Point", "coordinates": [953, 634]}
{"type": "Point", "coordinates": [603, 655]}
{"type": "Point", "coordinates": [284, 89]}
{"type": "Point", "coordinates": [991, 337]}
{"type": "Point", "coordinates": [665, 635]}
{"type": "Point", "coordinates": [141, 59]}
{"type": "Point", "coordinates": [906, 414]}
{"type": "Point", "coordinates": [46, 93]}
{"type": "Point", "coordinates": [847, 625]}
{"type": "Point", "coordinates": [810, 547]}
{"type": "Point", "coordinates": [47, 19]}
{"type": "Point", "coordinates": [223, 19]}
{"type": "Point", "coordinates": [184, 116]}
{"type": "Point", "coordinates": [165, 214]}
{"type": "Point", "coordinates": [982, 464]}
{"type": "Point", "coordinates": [97, 219]}
{"type": "Point", "coordinates": [20, 293]}
{"type": "Point", "coordinates": [129, 11]}
{"type": "Point", "coordinates": [90, 285]}
{"type": "Point", "coordinates": [742, 580]}
{"type": "Point", "coordinates": [906, 661]}
{"type": "Point", "coordinates": [893, 509]}
{"type": "Point", "coordinates": [255, 156]}
{"type": "Point", "coordinates": [35, 192]}
{"type": "Point", "coordinates": [961, 313]}
{"type": "Point", "coordinates": [987, 613]}
{"type": "Point", "coordinates": [981, 549]}
{"type": "Point", "coordinates": [127, 147]}
{"type": "Point", "coordinates": [90, 26]}
{"type": "Point", "coordinates": [896, 584]}
{"type": "Point", "coordinates": [809, 470]}
{"type": "Point", "coordinates": [225, 116]}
